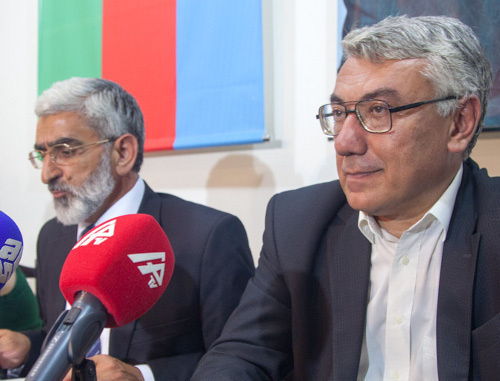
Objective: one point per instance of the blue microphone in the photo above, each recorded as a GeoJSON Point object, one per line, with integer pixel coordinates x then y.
{"type": "Point", "coordinates": [11, 247]}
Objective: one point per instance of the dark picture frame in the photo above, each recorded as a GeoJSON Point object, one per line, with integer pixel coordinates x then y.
{"type": "Point", "coordinates": [482, 16]}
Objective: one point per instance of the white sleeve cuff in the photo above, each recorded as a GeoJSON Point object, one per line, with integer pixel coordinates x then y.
{"type": "Point", "coordinates": [146, 371]}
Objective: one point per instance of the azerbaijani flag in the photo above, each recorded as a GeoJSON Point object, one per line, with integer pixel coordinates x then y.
{"type": "Point", "coordinates": [194, 66]}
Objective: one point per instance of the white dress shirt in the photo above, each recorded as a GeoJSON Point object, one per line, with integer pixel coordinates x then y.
{"type": "Point", "coordinates": [400, 334]}
{"type": "Point", "coordinates": [128, 204]}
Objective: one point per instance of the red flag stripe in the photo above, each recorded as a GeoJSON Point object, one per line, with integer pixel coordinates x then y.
{"type": "Point", "coordinates": [138, 52]}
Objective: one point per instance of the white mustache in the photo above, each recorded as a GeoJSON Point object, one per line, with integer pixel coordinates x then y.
{"type": "Point", "coordinates": [61, 187]}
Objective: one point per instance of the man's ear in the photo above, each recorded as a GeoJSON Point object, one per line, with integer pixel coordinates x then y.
{"type": "Point", "coordinates": [464, 123]}
{"type": "Point", "coordinates": [125, 150]}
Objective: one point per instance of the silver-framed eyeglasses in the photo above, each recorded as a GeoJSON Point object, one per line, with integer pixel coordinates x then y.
{"type": "Point", "coordinates": [375, 115]}
{"type": "Point", "coordinates": [61, 154]}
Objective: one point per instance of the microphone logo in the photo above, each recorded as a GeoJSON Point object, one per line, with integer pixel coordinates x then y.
{"type": "Point", "coordinates": [105, 231]}
{"type": "Point", "coordinates": [157, 270]}
{"type": "Point", "coordinates": [10, 256]}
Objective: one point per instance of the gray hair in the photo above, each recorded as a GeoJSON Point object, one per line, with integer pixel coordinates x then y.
{"type": "Point", "coordinates": [104, 106]}
{"type": "Point", "coordinates": [456, 62]}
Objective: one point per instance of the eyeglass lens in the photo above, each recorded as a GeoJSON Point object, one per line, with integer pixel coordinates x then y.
{"type": "Point", "coordinates": [60, 154]}
{"type": "Point", "coordinates": [374, 115]}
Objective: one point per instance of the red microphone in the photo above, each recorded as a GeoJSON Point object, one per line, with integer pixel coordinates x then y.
{"type": "Point", "coordinates": [111, 277]}
{"type": "Point", "coordinates": [126, 263]}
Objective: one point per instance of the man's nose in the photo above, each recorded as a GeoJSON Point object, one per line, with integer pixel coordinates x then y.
{"type": "Point", "coordinates": [351, 138]}
{"type": "Point", "coordinates": [50, 170]}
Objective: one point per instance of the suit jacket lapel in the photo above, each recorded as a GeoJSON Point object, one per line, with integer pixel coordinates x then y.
{"type": "Point", "coordinates": [454, 316]}
{"type": "Point", "coordinates": [121, 337]}
{"type": "Point", "coordinates": [349, 268]}
{"type": "Point", "coordinates": [60, 242]}
{"type": "Point", "coordinates": [64, 246]}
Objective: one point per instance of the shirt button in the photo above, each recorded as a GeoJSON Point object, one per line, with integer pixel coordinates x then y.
{"type": "Point", "coordinates": [395, 375]}
{"type": "Point", "coordinates": [398, 319]}
{"type": "Point", "coordinates": [405, 261]}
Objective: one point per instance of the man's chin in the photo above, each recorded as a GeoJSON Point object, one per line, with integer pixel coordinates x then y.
{"type": "Point", "coordinates": [66, 215]}
{"type": "Point", "coordinates": [61, 202]}
{"type": "Point", "coordinates": [64, 219]}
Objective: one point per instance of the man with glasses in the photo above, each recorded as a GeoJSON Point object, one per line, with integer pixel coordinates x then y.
{"type": "Point", "coordinates": [392, 272]}
{"type": "Point", "coordinates": [89, 148]}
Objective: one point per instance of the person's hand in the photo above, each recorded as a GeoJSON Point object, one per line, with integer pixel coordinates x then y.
{"type": "Point", "coordinates": [110, 369]}
{"type": "Point", "coordinates": [14, 349]}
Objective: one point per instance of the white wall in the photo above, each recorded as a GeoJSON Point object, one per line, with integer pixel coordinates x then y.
{"type": "Point", "coordinates": [300, 65]}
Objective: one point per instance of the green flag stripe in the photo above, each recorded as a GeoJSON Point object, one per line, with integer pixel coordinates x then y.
{"type": "Point", "coordinates": [70, 40]}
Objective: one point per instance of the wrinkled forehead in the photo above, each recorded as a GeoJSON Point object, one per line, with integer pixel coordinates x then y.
{"type": "Point", "coordinates": [392, 80]}
{"type": "Point", "coordinates": [65, 127]}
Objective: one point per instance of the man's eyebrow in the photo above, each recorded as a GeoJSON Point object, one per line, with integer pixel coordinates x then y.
{"type": "Point", "coordinates": [69, 141]}
{"type": "Point", "coordinates": [335, 99]}
{"type": "Point", "coordinates": [383, 92]}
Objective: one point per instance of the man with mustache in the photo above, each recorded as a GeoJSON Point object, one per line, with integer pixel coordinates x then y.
{"type": "Point", "coordinates": [89, 148]}
{"type": "Point", "coordinates": [392, 272]}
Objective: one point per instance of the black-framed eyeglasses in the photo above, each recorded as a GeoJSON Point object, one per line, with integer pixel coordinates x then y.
{"type": "Point", "coordinates": [61, 154]}
{"type": "Point", "coordinates": [375, 115]}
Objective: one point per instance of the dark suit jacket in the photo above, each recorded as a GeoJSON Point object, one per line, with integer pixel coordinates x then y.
{"type": "Point", "coordinates": [302, 316]}
{"type": "Point", "coordinates": [212, 266]}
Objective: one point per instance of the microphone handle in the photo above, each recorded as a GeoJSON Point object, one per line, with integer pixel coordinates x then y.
{"type": "Point", "coordinates": [74, 335]}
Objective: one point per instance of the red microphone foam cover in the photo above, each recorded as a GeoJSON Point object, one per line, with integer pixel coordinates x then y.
{"type": "Point", "coordinates": [125, 262]}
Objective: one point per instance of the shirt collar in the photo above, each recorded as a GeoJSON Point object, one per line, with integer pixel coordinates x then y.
{"type": "Point", "coordinates": [128, 204]}
{"type": "Point", "coordinates": [441, 211]}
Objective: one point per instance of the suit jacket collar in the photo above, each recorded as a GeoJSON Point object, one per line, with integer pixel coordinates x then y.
{"type": "Point", "coordinates": [151, 204]}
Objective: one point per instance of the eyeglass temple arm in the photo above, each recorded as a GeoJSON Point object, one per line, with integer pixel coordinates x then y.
{"type": "Point", "coordinates": [418, 104]}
